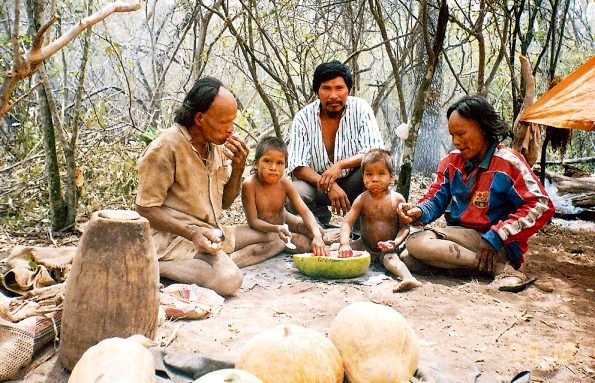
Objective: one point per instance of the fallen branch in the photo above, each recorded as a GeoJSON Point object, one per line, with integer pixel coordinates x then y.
{"type": "Point", "coordinates": [512, 325]}
{"type": "Point", "coordinates": [580, 160]}
{"type": "Point", "coordinates": [172, 337]}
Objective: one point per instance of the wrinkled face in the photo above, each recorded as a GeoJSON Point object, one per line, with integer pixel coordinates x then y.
{"type": "Point", "coordinates": [270, 166]}
{"type": "Point", "coordinates": [333, 95]}
{"type": "Point", "coordinates": [377, 178]}
{"type": "Point", "coordinates": [467, 137]}
{"type": "Point", "coordinates": [216, 124]}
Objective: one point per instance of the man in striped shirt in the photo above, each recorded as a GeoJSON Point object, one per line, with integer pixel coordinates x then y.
{"type": "Point", "coordinates": [327, 142]}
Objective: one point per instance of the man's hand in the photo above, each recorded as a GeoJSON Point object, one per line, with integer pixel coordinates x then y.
{"type": "Point", "coordinates": [339, 200]}
{"type": "Point", "coordinates": [345, 251]}
{"type": "Point", "coordinates": [387, 246]}
{"type": "Point", "coordinates": [485, 256]}
{"type": "Point", "coordinates": [408, 212]}
{"type": "Point", "coordinates": [329, 176]}
{"type": "Point", "coordinates": [203, 239]}
{"type": "Point", "coordinates": [237, 151]}
{"type": "Point", "coordinates": [319, 249]}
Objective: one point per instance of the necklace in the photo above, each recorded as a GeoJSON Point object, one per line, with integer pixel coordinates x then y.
{"type": "Point", "coordinates": [208, 151]}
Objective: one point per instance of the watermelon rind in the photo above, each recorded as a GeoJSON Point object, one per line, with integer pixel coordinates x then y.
{"type": "Point", "coordinates": [332, 267]}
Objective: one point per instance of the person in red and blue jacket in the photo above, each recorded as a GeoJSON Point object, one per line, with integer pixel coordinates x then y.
{"type": "Point", "coordinates": [491, 200]}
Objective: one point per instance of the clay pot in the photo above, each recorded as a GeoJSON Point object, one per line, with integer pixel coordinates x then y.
{"type": "Point", "coordinates": [113, 287]}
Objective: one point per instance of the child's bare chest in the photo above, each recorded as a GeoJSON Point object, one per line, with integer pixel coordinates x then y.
{"type": "Point", "coordinates": [270, 202]}
{"type": "Point", "coordinates": [379, 211]}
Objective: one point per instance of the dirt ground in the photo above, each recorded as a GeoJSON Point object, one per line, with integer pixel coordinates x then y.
{"type": "Point", "coordinates": [465, 327]}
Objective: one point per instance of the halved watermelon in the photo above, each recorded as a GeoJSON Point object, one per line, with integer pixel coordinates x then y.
{"type": "Point", "coordinates": [333, 267]}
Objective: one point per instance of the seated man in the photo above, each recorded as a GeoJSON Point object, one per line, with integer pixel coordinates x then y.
{"type": "Point", "coordinates": [188, 174]}
{"type": "Point", "coordinates": [327, 142]}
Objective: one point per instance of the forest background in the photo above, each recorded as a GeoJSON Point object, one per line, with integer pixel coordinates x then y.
{"type": "Point", "coordinates": [80, 103]}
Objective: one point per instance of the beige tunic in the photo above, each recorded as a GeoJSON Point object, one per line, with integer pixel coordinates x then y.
{"type": "Point", "coordinates": [173, 177]}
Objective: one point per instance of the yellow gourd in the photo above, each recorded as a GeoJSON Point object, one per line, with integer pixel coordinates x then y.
{"type": "Point", "coordinates": [292, 354]}
{"type": "Point", "coordinates": [228, 375]}
{"type": "Point", "coordinates": [376, 343]}
{"type": "Point", "coordinates": [116, 360]}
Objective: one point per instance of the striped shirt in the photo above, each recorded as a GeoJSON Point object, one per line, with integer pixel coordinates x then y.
{"type": "Point", "coordinates": [357, 133]}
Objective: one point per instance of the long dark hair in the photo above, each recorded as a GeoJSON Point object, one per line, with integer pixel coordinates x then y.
{"type": "Point", "coordinates": [197, 100]}
{"type": "Point", "coordinates": [477, 108]}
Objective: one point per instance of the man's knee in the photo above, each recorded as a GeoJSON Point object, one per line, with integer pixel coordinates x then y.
{"type": "Point", "coordinates": [228, 281]}
{"type": "Point", "coordinates": [306, 191]}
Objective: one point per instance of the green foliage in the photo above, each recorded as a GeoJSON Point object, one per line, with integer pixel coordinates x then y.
{"type": "Point", "coordinates": [110, 177]}
{"type": "Point", "coordinates": [148, 136]}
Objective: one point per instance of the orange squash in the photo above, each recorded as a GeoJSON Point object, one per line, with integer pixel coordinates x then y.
{"type": "Point", "coordinates": [376, 343]}
{"type": "Point", "coordinates": [292, 354]}
{"type": "Point", "coordinates": [228, 375]}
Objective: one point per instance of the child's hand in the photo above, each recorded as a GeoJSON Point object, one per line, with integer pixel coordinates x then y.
{"type": "Point", "coordinates": [345, 251]}
{"type": "Point", "coordinates": [319, 249]}
{"type": "Point", "coordinates": [387, 246]}
{"type": "Point", "coordinates": [283, 232]}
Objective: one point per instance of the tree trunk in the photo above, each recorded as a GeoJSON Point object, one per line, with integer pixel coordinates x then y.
{"type": "Point", "coordinates": [404, 181]}
{"type": "Point", "coordinates": [429, 148]}
{"type": "Point", "coordinates": [58, 207]}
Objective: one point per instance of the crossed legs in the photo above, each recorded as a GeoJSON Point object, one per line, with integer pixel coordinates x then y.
{"type": "Point", "coordinates": [253, 246]}
{"type": "Point", "coordinates": [221, 272]}
{"type": "Point", "coordinates": [453, 247]}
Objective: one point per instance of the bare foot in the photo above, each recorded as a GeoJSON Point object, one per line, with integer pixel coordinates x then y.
{"type": "Point", "coordinates": [406, 285]}
{"type": "Point", "coordinates": [331, 235]}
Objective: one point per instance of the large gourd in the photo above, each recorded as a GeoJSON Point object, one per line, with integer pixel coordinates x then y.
{"type": "Point", "coordinates": [376, 343]}
{"type": "Point", "coordinates": [228, 375]}
{"type": "Point", "coordinates": [116, 360]}
{"type": "Point", "coordinates": [292, 354]}
{"type": "Point", "coordinates": [333, 267]}
{"type": "Point", "coordinates": [112, 289]}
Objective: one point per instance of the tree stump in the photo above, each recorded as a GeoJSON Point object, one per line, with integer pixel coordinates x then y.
{"type": "Point", "coordinates": [113, 287]}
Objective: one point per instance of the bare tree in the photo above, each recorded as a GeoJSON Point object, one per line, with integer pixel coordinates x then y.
{"type": "Point", "coordinates": [433, 49]}
{"type": "Point", "coordinates": [27, 63]}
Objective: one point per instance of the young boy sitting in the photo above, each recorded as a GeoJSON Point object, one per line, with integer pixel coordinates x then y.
{"type": "Point", "coordinates": [263, 197]}
{"type": "Point", "coordinates": [381, 230]}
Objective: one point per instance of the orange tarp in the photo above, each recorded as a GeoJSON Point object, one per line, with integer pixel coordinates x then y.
{"type": "Point", "coordinates": [570, 104]}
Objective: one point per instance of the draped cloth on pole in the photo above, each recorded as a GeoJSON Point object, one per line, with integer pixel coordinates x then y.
{"type": "Point", "coordinates": [570, 104]}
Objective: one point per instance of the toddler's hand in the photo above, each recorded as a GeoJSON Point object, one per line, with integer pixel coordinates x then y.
{"type": "Point", "coordinates": [319, 249]}
{"type": "Point", "coordinates": [345, 251]}
{"type": "Point", "coordinates": [387, 246]}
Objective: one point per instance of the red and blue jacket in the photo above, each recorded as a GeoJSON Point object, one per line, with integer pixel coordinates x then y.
{"type": "Point", "coordinates": [501, 198]}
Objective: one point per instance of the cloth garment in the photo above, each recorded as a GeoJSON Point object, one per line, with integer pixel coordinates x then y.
{"type": "Point", "coordinates": [358, 132]}
{"type": "Point", "coordinates": [501, 198]}
{"type": "Point", "coordinates": [33, 267]}
{"type": "Point", "coordinates": [569, 104]}
{"type": "Point", "coordinates": [182, 301]}
{"type": "Point", "coordinates": [173, 177]}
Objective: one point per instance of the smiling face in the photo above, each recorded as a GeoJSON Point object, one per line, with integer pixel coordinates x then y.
{"type": "Point", "coordinates": [377, 177]}
{"type": "Point", "coordinates": [216, 124]}
{"type": "Point", "coordinates": [467, 137]}
{"type": "Point", "coordinates": [270, 166]}
{"type": "Point", "coordinates": [333, 95]}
